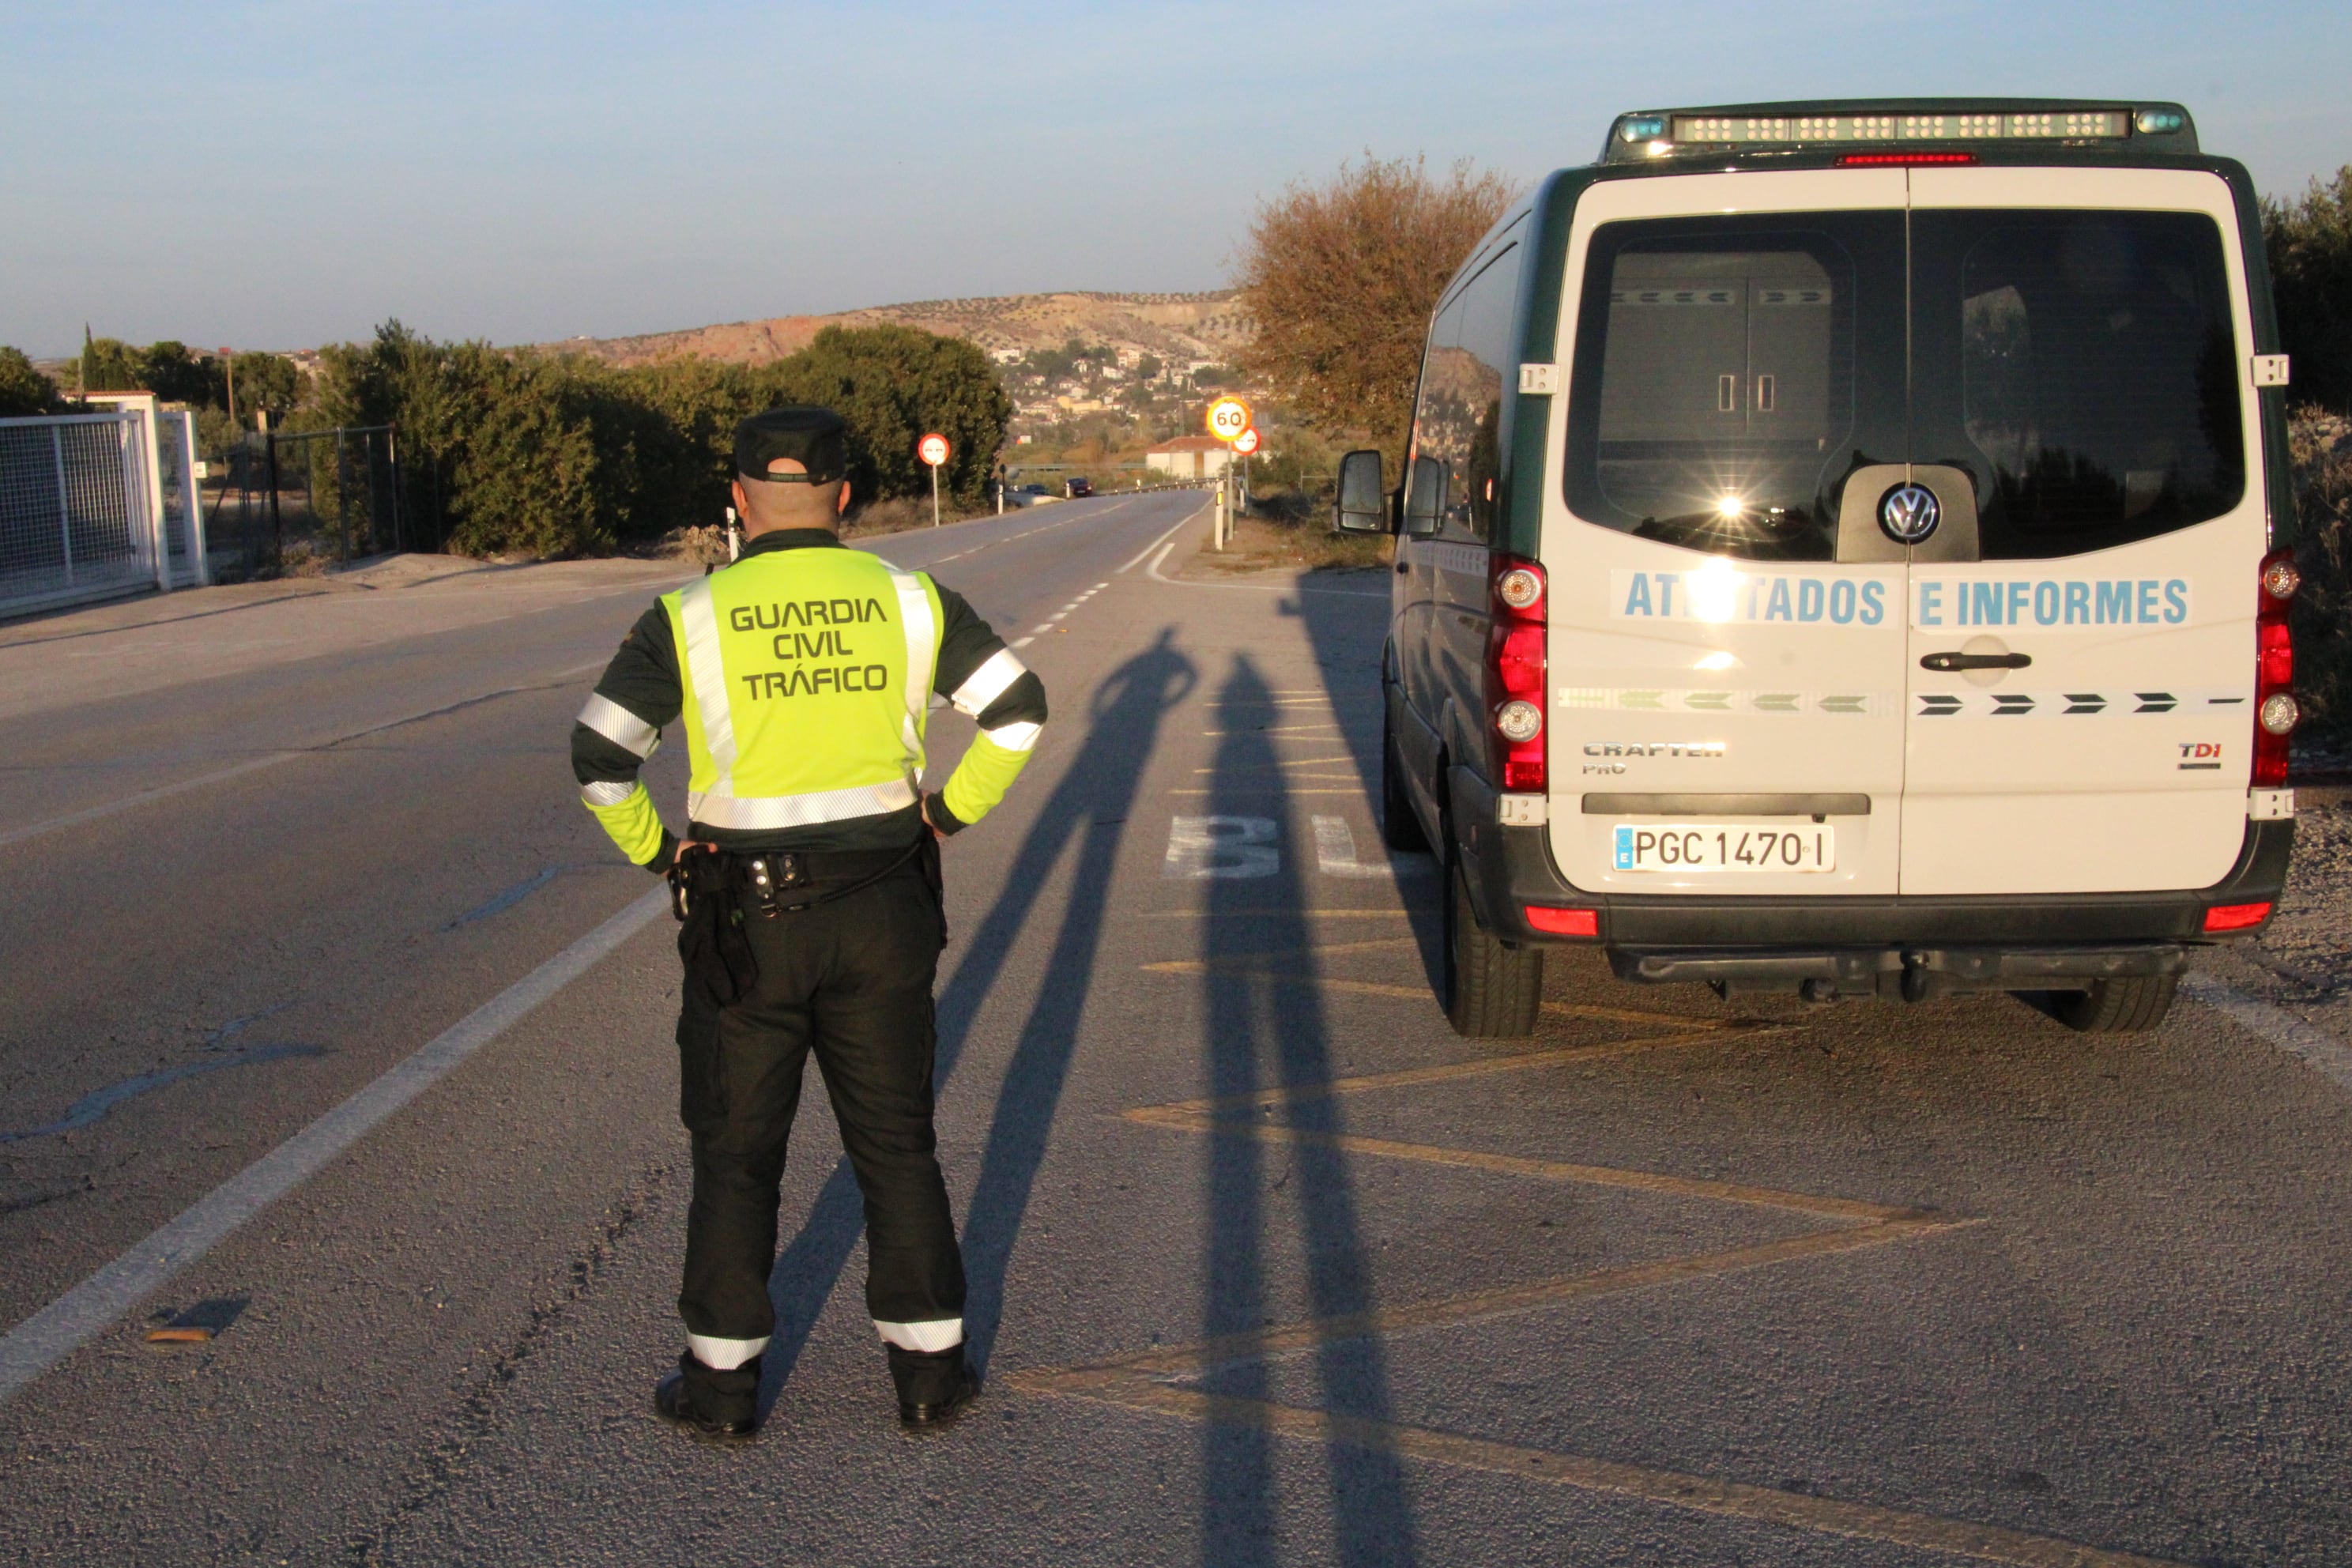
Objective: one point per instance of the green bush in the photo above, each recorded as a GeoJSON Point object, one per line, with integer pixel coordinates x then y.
{"type": "Point", "coordinates": [559, 454]}
{"type": "Point", "coordinates": [2321, 442]}
{"type": "Point", "coordinates": [2310, 246]}
{"type": "Point", "coordinates": [24, 390]}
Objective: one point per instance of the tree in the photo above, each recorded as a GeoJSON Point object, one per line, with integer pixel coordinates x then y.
{"type": "Point", "coordinates": [1341, 280]}
{"type": "Point", "coordinates": [2310, 246]}
{"type": "Point", "coordinates": [269, 381]}
{"type": "Point", "coordinates": [110, 365]}
{"type": "Point", "coordinates": [24, 390]}
{"type": "Point", "coordinates": [892, 385]}
{"type": "Point", "coordinates": [169, 370]}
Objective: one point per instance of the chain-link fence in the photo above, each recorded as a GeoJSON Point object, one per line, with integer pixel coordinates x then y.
{"type": "Point", "coordinates": [74, 510]}
{"type": "Point", "coordinates": [311, 495]}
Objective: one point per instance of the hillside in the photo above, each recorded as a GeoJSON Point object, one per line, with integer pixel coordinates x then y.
{"type": "Point", "coordinates": [1174, 327]}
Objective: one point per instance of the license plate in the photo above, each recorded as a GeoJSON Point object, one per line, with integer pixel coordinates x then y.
{"type": "Point", "coordinates": [1722, 847]}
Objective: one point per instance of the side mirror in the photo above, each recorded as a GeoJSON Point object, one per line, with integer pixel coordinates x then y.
{"type": "Point", "coordinates": [1424, 497]}
{"type": "Point", "coordinates": [1360, 508]}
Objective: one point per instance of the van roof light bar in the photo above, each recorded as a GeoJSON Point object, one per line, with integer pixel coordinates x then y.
{"type": "Point", "coordinates": [1900, 124]}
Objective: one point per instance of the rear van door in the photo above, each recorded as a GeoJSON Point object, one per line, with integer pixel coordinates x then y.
{"type": "Point", "coordinates": [1727, 648]}
{"type": "Point", "coordinates": [2080, 665]}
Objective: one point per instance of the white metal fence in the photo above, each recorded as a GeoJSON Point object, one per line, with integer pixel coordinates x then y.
{"type": "Point", "coordinates": [96, 505]}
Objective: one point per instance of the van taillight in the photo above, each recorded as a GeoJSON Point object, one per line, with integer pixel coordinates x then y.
{"type": "Point", "coordinates": [2275, 709]}
{"type": "Point", "coordinates": [1515, 675]}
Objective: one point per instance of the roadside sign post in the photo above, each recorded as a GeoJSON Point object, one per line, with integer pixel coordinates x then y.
{"type": "Point", "coordinates": [933, 449]}
{"type": "Point", "coordinates": [1247, 444]}
{"type": "Point", "coordinates": [1228, 421]}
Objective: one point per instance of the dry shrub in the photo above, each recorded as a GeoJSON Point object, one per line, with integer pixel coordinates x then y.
{"type": "Point", "coordinates": [1339, 281]}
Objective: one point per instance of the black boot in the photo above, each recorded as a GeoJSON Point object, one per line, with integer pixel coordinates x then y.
{"type": "Point", "coordinates": [713, 1405]}
{"type": "Point", "coordinates": [934, 1387]}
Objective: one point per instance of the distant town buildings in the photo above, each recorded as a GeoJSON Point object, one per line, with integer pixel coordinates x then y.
{"type": "Point", "coordinates": [1189, 457]}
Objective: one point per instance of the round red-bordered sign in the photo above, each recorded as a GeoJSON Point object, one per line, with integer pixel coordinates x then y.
{"type": "Point", "coordinates": [932, 449]}
{"type": "Point", "coordinates": [1248, 441]}
{"type": "Point", "coordinates": [1228, 417]}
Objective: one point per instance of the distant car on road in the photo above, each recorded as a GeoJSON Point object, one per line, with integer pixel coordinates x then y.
{"type": "Point", "coordinates": [1075, 487]}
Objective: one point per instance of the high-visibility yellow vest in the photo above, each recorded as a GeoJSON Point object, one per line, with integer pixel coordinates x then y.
{"type": "Point", "coordinates": [808, 679]}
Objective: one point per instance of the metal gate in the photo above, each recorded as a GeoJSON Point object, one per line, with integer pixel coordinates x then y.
{"type": "Point", "coordinates": [84, 504]}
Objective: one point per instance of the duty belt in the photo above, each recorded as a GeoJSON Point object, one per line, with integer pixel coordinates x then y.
{"type": "Point", "coordinates": [773, 882]}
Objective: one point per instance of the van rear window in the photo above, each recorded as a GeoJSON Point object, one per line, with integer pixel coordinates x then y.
{"type": "Point", "coordinates": [1728, 376]}
{"type": "Point", "coordinates": [2094, 368]}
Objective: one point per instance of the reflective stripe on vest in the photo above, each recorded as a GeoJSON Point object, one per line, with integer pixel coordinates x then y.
{"type": "Point", "coordinates": [719, 805]}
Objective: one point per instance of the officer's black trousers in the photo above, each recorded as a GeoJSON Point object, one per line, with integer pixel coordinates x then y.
{"type": "Point", "coordinates": [850, 980]}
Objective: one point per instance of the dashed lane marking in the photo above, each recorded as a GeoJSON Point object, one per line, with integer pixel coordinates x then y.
{"type": "Point", "coordinates": [1155, 1382]}
{"type": "Point", "coordinates": [1020, 642]}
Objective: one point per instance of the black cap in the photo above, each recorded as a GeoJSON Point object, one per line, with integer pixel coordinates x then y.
{"type": "Point", "coordinates": [809, 435]}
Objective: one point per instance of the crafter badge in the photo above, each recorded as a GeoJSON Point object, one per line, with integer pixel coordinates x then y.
{"type": "Point", "coordinates": [1908, 513]}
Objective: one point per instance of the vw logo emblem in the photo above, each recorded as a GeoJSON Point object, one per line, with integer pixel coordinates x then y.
{"type": "Point", "coordinates": [1908, 513]}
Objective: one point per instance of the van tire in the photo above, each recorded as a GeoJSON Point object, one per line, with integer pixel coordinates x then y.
{"type": "Point", "coordinates": [1492, 992]}
{"type": "Point", "coordinates": [1400, 829]}
{"type": "Point", "coordinates": [2117, 1007]}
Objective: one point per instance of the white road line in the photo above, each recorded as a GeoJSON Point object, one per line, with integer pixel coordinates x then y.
{"type": "Point", "coordinates": [251, 765]}
{"type": "Point", "coordinates": [1020, 642]}
{"type": "Point", "coordinates": [2322, 1052]}
{"type": "Point", "coordinates": [54, 1332]}
{"type": "Point", "coordinates": [1155, 544]}
{"type": "Point", "coordinates": [1101, 587]}
{"type": "Point", "coordinates": [1039, 631]}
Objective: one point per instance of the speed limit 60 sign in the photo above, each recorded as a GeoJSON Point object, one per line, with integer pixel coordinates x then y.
{"type": "Point", "coordinates": [932, 449]}
{"type": "Point", "coordinates": [1228, 417]}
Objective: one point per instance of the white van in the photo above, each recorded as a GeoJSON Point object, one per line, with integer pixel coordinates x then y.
{"type": "Point", "coordinates": [1845, 549]}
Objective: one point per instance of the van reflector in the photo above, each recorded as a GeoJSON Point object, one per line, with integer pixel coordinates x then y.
{"type": "Point", "coordinates": [1901, 160]}
{"type": "Point", "coordinates": [1575, 923]}
{"type": "Point", "coordinates": [2229, 917]}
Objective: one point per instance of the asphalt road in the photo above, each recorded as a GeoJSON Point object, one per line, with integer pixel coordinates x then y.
{"type": "Point", "coordinates": [1267, 1266]}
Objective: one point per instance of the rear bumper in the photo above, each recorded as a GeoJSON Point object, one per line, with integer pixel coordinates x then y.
{"type": "Point", "coordinates": [1980, 938]}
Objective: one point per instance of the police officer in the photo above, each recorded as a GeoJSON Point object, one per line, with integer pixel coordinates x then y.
{"type": "Point", "coordinates": [809, 889]}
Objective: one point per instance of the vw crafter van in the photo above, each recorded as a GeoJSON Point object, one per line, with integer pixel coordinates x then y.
{"type": "Point", "coordinates": [1845, 549]}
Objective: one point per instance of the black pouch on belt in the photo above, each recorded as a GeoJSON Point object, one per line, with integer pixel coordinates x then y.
{"type": "Point", "coordinates": [710, 940]}
{"type": "Point", "coordinates": [928, 856]}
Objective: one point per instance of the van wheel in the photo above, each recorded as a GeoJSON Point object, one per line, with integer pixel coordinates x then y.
{"type": "Point", "coordinates": [1400, 829]}
{"type": "Point", "coordinates": [1492, 992]}
{"type": "Point", "coordinates": [2119, 1007]}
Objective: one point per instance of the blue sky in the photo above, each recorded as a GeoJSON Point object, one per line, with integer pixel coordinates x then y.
{"type": "Point", "coordinates": [283, 174]}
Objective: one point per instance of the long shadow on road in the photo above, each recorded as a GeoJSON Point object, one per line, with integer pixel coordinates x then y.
{"type": "Point", "coordinates": [1262, 1035]}
{"type": "Point", "coordinates": [1090, 806]}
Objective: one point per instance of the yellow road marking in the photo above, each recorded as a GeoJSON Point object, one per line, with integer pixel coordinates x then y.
{"type": "Point", "coordinates": [1701, 1494]}
{"type": "Point", "coordinates": [1239, 914]}
{"type": "Point", "coordinates": [1275, 729]}
{"type": "Point", "coordinates": [1146, 1381]}
{"type": "Point", "coordinates": [1505, 1301]}
{"type": "Point", "coordinates": [1266, 789]}
{"type": "Point", "coordinates": [1187, 1113]}
{"type": "Point", "coordinates": [1259, 966]}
